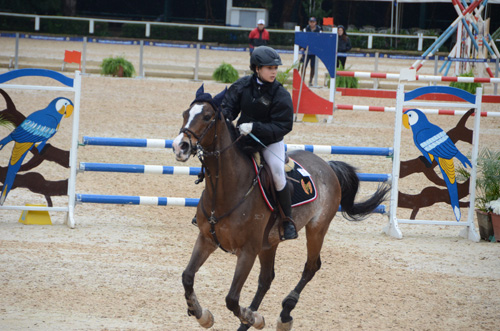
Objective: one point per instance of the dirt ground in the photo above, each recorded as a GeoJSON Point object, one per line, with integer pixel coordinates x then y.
{"type": "Point", "coordinates": [120, 268]}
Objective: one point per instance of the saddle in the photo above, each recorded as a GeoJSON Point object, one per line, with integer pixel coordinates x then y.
{"type": "Point", "coordinates": [303, 189]}
{"type": "Point", "coordinates": [301, 186]}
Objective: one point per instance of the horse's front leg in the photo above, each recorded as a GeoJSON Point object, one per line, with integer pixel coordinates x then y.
{"type": "Point", "coordinates": [243, 267]}
{"type": "Point", "coordinates": [201, 251]}
{"type": "Point", "coordinates": [266, 277]}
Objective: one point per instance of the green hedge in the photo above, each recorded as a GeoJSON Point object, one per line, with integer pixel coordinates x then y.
{"type": "Point", "coordinates": [17, 24]}
{"type": "Point", "coordinates": [70, 27]}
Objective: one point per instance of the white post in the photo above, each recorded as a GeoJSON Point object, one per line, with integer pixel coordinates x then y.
{"type": "Point", "coordinates": [296, 48]}
{"type": "Point", "coordinates": [37, 23]}
{"type": "Point", "coordinates": [77, 86]}
{"type": "Point", "coordinates": [370, 41]}
{"type": "Point", "coordinates": [392, 228]}
{"type": "Point", "coordinates": [148, 29]}
{"type": "Point", "coordinates": [420, 41]}
{"type": "Point", "coordinates": [91, 26]}
{"type": "Point", "coordinates": [469, 232]}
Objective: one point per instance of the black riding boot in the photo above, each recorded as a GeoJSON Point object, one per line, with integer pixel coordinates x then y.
{"type": "Point", "coordinates": [193, 221]}
{"type": "Point", "coordinates": [285, 201]}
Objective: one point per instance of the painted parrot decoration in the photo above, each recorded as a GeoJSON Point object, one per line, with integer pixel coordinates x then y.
{"type": "Point", "coordinates": [434, 143]}
{"type": "Point", "coordinates": [35, 130]}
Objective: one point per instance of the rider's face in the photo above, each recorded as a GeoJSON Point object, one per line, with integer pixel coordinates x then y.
{"type": "Point", "coordinates": [267, 73]}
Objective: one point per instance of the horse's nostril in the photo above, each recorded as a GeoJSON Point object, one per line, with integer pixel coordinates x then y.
{"type": "Point", "coordinates": [184, 146]}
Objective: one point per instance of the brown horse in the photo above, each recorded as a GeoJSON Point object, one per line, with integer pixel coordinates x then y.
{"type": "Point", "coordinates": [233, 216]}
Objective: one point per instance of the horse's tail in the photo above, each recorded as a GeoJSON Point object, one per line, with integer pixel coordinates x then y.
{"type": "Point", "coordinates": [349, 183]}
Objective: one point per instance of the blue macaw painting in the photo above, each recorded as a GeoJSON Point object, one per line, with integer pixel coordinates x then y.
{"type": "Point", "coordinates": [35, 130]}
{"type": "Point", "coordinates": [434, 143]}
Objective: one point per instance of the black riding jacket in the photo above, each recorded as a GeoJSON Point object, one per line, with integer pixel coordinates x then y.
{"type": "Point", "coordinates": [268, 106]}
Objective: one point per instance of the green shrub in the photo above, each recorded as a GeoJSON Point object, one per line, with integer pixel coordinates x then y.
{"type": "Point", "coordinates": [341, 81]}
{"type": "Point", "coordinates": [177, 33]}
{"type": "Point", "coordinates": [283, 76]}
{"type": "Point", "coordinates": [111, 66]}
{"type": "Point", "coordinates": [64, 27]}
{"type": "Point", "coordinates": [488, 177]}
{"type": "Point", "coordinates": [133, 31]}
{"type": "Point", "coordinates": [225, 73]}
{"type": "Point", "coordinates": [469, 87]}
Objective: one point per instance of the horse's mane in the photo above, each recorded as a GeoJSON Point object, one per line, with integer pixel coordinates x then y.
{"type": "Point", "coordinates": [231, 127]}
{"type": "Point", "coordinates": [216, 103]}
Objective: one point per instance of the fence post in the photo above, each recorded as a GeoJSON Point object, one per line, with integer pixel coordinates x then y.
{"type": "Point", "coordinates": [16, 52]}
{"type": "Point", "coordinates": [141, 67]}
{"type": "Point", "coordinates": [37, 23]}
{"type": "Point", "coordinates": [196, 67]}
{"type": "Point", "coordinates": [370, 41]}
{"type": "Point", "coordinates": [375, 81]}
{"type": "Point", "coordinates": [436, 60]}
{"type": "Point", "coordinates": [148, 29]}
{"type": "Point", "coordinates": [84, 55]}
{"type": "Point", "coordinates": [420, 41]}
{"type": "Point", "coordinates": [91, 26]}
{"type": "Point", "coordinates": [495, 86]}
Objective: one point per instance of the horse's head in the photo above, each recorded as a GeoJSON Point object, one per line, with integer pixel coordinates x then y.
{"type": "Point", "coordinates": [199, 124]}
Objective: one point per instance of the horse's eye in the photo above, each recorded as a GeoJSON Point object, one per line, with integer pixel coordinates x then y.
{"type": "Point", "coordinates": [207, 117]}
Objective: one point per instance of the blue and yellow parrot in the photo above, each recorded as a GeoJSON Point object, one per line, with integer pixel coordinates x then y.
{"type": "Point", "coordinates": [433, 142]}
{"type": "Point", "coordinates": [36, 129]}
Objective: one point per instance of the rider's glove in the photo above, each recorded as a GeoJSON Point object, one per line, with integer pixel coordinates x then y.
{"type": "Point", "coordinates": [245, 128]}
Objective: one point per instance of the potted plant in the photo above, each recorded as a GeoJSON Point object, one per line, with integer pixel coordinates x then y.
{"type": "Point", "coordinates": [487, 189]}
{"type": "Point", "coordinates": [117, 66]}
{"type": "Point", "coordinates": [494, 207]}
{"type": "Point", "coordinates": [225, 73]}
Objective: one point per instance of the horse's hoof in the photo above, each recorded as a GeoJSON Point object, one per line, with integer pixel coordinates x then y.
{"type": "Point", "coordinates": [207, 319]}
{"type": "Point", "coordinates": [259, 321]}
{"type": "Point", "coordinates": [284, 326]}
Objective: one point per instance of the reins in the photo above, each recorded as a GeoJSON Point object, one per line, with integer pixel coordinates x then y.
{"type": "Point", "coordinates": [202, 153]}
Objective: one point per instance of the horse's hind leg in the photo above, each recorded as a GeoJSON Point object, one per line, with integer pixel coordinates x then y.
{"type": "Point", "coordinates": [315, 239]}
{"type": "Point", "coordinates": [201, 251]}
{"type": "Point", "coordinates": [266, 277]}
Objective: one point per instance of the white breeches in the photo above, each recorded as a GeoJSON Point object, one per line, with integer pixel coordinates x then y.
{"type": "Point", "coordinates": [274, 155]}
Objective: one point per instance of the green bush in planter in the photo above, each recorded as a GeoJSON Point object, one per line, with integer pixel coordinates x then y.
{"type": "Point", "coordinates": [469, 87]}
{"type": "Point", "coordinates": [488, 177]}
{"type": "Point", "coordinates": [225, 73]}
{"type": "Point", "coordinates": [284, 76]}
{"type": "Point", "coordinates": [343, 81]}
{"type": "Point", "coordinates": [111, 66]}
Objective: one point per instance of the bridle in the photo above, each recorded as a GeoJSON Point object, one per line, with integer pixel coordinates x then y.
{"type": "Point", "coordinates": [202, 153]}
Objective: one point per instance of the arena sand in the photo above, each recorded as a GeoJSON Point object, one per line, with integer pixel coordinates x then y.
{"type": "Point", "coordinates": [120, 268]}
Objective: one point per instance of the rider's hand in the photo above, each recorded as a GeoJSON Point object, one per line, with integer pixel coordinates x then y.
{"type": "Point", "coordinates": [245, 128]}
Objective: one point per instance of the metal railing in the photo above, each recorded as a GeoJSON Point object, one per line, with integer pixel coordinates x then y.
{"type": "Point", "coordinates": [147, 28]}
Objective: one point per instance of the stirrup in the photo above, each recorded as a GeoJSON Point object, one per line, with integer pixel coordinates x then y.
{"type": "Point", "coordinates": [289, 230]}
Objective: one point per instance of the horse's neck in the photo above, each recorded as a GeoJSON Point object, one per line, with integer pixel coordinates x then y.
{"type": "Point", "coordinates": [233, 169]}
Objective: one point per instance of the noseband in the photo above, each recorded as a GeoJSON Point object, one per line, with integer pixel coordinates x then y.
{"type": "Point", "coordinates": [202, 153]}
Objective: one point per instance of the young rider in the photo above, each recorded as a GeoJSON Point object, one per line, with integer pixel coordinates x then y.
{"type": "Point", "coordinates": [265, 109]}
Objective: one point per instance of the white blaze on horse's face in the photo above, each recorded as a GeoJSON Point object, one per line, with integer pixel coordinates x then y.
{"type": "Point", "coordinates": [181, 144]}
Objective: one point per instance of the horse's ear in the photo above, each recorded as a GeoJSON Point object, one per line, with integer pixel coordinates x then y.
{"type": "Point", "coordinates": [218, 98]}
{"type": "Point", "coordinates": [200, 91]}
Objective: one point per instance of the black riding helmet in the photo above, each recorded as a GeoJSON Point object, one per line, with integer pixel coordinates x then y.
{"type": "Point", "coordinates": [264, 56]}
